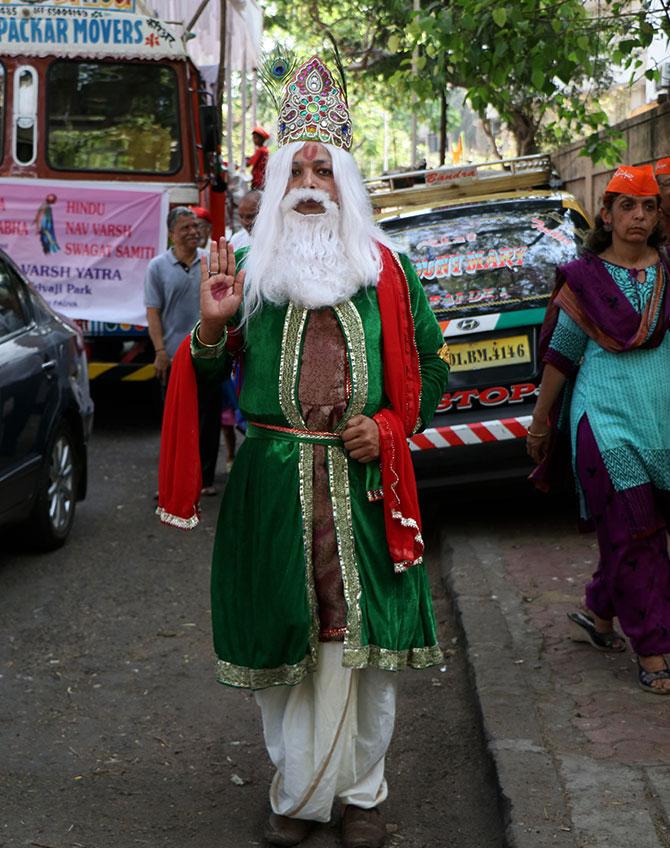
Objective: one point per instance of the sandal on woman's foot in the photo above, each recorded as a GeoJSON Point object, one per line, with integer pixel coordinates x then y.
{"type": "Point", "coordinates": [646, 679]}
{"type": "Point", "coordinates": [584, 630]}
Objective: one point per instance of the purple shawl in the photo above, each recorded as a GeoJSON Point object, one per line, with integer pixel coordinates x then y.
{"type": "Point", "coordinates": [586, 291]}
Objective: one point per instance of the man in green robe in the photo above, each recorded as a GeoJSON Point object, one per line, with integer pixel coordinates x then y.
{"type": "Point", "coordinates": [319, 592]}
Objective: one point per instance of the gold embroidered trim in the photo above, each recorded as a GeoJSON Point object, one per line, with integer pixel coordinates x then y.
{"type": "Point", "coordinates": [338, 477]}
{"type": "Point", "coordinates": [294, 327]}
{"type": "Point", "coordinates": [403, 565]}
{"type": "Point", "coordinates": [354, 335]}
{"type": "Point", "coordinates": [363, 656]}
{"type": "Point", "coordinates": [445, 354]}
{"type": "Point", "coordinates": [261, 678]}
{"type": "Point", "coordinates": [306, 482]}
{"type": "Point", "coordinates": [372, 656]}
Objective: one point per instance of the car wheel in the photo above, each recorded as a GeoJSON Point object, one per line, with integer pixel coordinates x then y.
{"type": "Point", "coordinates": [53, 513]}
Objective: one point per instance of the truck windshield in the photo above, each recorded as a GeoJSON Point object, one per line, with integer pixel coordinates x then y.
{"type": "Point", "coordinates": [122, 118]}
{"type": "Point", "coordinates": [480, 258]}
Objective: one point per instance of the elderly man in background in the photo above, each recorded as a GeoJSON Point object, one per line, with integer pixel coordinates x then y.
{"type": "Point", "coordinates": [247, 210]}
{"type": "Point", "coordinates": [172, 300]}
{"type": "Point", "coordinates": [319, 591]}
{"type": "Point", "coordinates": [204, 225]}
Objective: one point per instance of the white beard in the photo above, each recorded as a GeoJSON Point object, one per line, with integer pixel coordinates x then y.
{"type": "Point", "coordinates": [310, 266]}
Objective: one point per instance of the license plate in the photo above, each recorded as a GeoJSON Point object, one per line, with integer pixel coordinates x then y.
{"type": "Point", "coordinates": [489, 353]}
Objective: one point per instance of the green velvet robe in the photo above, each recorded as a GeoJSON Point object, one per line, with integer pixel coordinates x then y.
{"type": "Point", "coordinates": [264, 611]}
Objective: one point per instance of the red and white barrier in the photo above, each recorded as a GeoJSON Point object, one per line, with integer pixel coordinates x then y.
{"type": "Point", "coordinates": [471, 434]}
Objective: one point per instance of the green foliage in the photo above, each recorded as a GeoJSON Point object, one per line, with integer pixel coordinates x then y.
{"type": "Point", "coordinates": [540, 64]}
{"type": "Point", "coordinates": [606, 147]}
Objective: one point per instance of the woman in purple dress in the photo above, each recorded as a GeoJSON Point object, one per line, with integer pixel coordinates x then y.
{"type": "Point", "coordinates": [606, 328]}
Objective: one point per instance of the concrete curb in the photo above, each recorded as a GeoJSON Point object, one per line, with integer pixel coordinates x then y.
{"type": "Point", "coordinates": [533, 800]}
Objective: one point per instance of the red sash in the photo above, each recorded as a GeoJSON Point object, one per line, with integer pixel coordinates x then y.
{"type": "Point", "coordinates": [402, 384]}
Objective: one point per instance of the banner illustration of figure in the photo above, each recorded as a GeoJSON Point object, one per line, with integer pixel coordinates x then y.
{"type": "Point", "coordinates": [45, 225]}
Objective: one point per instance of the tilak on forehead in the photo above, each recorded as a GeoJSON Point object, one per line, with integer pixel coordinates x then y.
{"type": "Point", "coordinates": [313, 109]}
{"type": "Point", "coordinates": [310, 150]}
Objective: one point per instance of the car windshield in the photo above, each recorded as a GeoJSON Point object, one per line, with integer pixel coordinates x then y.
{"type": "Point", "coordinates": [474, 259]}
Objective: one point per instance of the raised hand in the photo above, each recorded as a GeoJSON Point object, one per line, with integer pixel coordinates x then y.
{"type": "Point", "coordinates": [220, 291]}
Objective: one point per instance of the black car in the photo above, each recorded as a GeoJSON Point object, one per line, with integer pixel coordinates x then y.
{"type": "Point", "coordinates": [46, 414]}
{"type": "Point", "coordinates": [487, 264]}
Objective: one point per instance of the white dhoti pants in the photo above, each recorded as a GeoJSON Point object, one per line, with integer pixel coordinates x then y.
{"type": "Point", "coordinates": [328, 736]}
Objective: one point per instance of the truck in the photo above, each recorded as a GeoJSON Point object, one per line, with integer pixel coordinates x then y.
{"type": "Point", "coordinates": [106, 121]}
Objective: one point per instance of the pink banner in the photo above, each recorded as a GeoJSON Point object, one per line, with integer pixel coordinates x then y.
{"type": "Point", "coordinates": [84, 247]}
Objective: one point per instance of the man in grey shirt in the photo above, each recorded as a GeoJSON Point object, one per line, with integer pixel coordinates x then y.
{"type": "Point", "coordinates": [172, 300]}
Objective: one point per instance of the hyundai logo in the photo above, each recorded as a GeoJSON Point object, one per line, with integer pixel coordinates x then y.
{"type": "Point", "coordinates": [467, 324]}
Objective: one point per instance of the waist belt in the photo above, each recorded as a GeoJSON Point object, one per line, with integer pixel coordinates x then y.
{"type": "Point", "coordinates": [291, 434]}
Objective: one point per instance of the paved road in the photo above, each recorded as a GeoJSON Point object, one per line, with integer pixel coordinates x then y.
{"type": "Point", "coordinates": [582, 754]}
{"type": "Point", "coordinates": [112, 729]}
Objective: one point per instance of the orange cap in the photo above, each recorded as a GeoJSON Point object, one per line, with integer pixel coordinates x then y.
{"type": "Point", "coordinates": [663, 166]}
{"type": "Point", "coordinates": [264, 134]}
{"type": "Point", "coordinates": [201, 212]}
{"type": "Point", "coordinates": [636, 180]}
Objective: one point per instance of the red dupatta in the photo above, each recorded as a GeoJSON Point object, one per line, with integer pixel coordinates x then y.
{"type": "Point", "coordinates": [179, 471]}
{"type": "Point", "coordinates": [402, 385]}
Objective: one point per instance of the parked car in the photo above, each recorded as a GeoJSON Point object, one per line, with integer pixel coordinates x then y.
{"type": "Point", "coordinates": [487, 262]}
{"type": "Point", "coordinates": [46, 414]}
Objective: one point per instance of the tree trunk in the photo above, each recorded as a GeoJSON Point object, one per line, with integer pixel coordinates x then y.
{"type": "Point", "coordinates": [524, 129]}
{"type": "Point", "coordinates": [488, 132]}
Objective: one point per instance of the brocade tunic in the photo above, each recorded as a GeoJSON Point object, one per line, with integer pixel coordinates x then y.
{"type": "Point", "coordinates": [322, 394]}
{"type": "Point", "coordinates": [275, 589]}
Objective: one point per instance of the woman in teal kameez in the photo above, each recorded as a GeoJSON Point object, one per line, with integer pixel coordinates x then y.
{"type": "Point", "coordinates": [607, 348]}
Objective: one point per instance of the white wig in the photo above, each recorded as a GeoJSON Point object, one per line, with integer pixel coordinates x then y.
{"type": "Point", "coordinates": [358, 232]}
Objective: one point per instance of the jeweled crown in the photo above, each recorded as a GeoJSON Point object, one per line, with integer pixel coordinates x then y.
{"type": "Point", "coordinates": [314, 108]}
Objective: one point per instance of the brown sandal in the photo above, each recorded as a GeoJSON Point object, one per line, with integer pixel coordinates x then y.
{"type": "Point", "coordinates": [282, 830]}
{"type": "Point", "coordinates": [362, 828]}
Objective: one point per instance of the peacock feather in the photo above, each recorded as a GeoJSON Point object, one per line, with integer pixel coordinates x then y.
{"type": "Point", "coordinates": [274, 69]}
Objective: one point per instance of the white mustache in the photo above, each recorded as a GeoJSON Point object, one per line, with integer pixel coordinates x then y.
{"type": "Point", "coordinates": [297, 195]}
